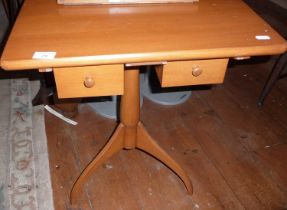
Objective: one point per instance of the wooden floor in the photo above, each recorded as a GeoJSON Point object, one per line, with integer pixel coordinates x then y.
{"type": "Point", "coordinates": [233, 151]}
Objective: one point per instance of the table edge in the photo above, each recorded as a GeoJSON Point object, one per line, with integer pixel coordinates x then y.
{"type": "Point", "coordinates": [21, 64]}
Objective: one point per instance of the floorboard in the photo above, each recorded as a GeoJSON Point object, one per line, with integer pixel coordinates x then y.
{"type": "Point", "coordinates": [233, 151]}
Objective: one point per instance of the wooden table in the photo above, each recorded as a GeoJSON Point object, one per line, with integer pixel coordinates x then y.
{"type": "Point", "coordinates": [100, 49]}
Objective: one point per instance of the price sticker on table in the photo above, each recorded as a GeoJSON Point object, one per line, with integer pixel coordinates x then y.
{"type": "Point", "coordinates": [44, 55]}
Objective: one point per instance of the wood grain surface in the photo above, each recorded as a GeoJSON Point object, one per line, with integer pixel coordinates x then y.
{"type": "Point", "coordinates": [233, 151]}
{"type": "Point", "coordinates": [107, 80]}
{"type": "Point", "coordinates": [181, 73]}
{"type": "Point", "coordinates": [91, 2]}
{"type": "Point", "coordinates": [93, 35]}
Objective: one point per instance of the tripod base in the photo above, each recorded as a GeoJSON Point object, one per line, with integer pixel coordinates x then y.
{"type": "Point", "coordinates": [116, 143]}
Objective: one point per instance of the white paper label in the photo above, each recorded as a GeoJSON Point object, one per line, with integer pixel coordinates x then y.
{"type": "Point", "coordinates": [44, 55]}
{"type": "Point", "coordinates": [263, 37]}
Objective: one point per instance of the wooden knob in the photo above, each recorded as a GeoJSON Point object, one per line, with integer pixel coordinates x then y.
{"type": "Point", "coordinates": [89, 81]}
{"type": "Point", "coordinates": [196, 71]}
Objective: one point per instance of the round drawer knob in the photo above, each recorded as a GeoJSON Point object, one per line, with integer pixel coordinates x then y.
{"type": "Point", "coordinates": [196, 71]}
{"type": "Point", "coordinates": [89, 81]}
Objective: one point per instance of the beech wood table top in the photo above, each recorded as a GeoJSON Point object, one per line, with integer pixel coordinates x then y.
{"type": "Point", "coordinates": [128, 34]}
{"type": "Point", "coordinates": [112, 34]}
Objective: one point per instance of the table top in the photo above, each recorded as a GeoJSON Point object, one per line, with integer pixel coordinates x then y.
{"type": "Point", "coordinates": [110, 34]}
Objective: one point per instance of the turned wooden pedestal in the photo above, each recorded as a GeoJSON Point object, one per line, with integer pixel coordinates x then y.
{"type": "Point", "coordinates": [130, 134]}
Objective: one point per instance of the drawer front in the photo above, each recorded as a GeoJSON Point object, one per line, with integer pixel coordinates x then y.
{"type": "Point", "coordinates": [181, 73]}
{"type": "Point", "coordinates": [89, 81]}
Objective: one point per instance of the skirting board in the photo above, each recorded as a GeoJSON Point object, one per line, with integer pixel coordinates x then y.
{"type": "Point", "coordinates": [281, 3]}
{"type": "Point", "coordinates": [81, 2]}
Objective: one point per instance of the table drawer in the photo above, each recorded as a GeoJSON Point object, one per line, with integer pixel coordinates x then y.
{"type": "Point", "coordinates": [181, 73]}
{"type": "Point", "coordinates": [89, 81]}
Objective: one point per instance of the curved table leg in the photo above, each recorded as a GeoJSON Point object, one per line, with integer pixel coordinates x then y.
{"type": "Point", "coordinates": [130, 134]}
{"type": "Point", "coordinates": [114, 145]}
{"type": "Point", "coordinates": [146, 143]}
